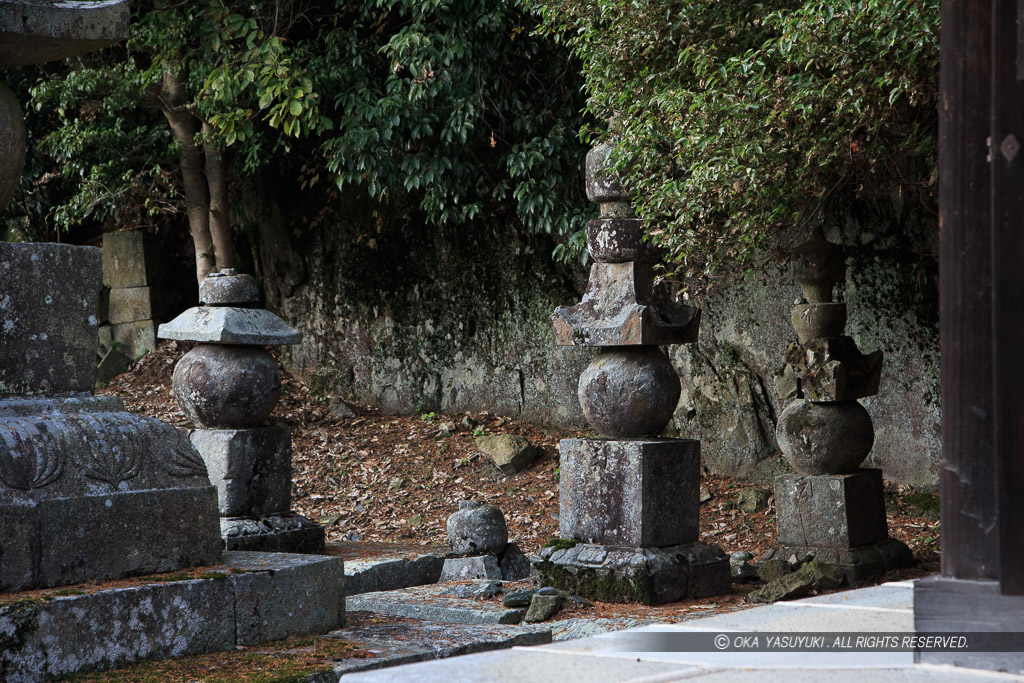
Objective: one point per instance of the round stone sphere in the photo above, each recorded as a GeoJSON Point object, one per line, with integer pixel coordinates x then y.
{"type": "Point", "coordinates": [477, 529]}
{"type": "Point", "coordinates": [227, 386]}
{"type": "Point", "coordinates": [825, 438]}
{"type": "Point", "coordinates": [12, 144]}
{"type": "Point", "coordinates": [629, 392]}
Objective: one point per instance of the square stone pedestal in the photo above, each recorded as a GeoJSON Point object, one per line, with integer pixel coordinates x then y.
{"type": "Point", "coordinates": [628, 517]}
{"type": "Point", "coordinates": [629, 493]}
{"type": "Point", "coordinates": [841, 519]}
{"type": "Point", "coordinates": [252, 470]}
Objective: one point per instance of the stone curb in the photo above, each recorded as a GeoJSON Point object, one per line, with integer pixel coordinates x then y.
{"type": "Point", "coordinates": [269, 596]}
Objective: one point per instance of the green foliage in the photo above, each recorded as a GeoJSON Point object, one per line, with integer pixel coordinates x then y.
{"type": "Point", "coordinates": [453, 104]}
{"type": "Point", "coordinates": [109, 140]}
{"type": "Point", "coordinates": [741, 118]}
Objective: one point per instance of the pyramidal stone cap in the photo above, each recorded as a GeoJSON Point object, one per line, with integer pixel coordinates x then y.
{"type": "Point", "coordinates": [230, 325]}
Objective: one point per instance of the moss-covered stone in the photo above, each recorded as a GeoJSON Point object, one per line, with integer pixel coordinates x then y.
{"type": "Point", "coordinates": [595, 585]}
{"type": "Point", "coordinates": [561, 543]}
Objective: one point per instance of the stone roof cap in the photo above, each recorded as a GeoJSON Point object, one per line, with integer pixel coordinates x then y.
{"type": "Point", "coordinates": [230, 325]}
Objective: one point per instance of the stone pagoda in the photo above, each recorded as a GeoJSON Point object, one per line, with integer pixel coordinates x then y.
{"type": "Point", "coordinates": [629, 506]}
{"type": "Point", "coordinates": [228, 385]}
{"type": "Point", "coordinates": [830, 507]}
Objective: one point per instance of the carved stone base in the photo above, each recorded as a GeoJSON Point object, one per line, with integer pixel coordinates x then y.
{"type": "Point", "coordinates": [651, 576]}
{"type": "Point", "coordinates": [282, 532]}
{"type": "Point", "coordinates": [860, 564]}
{"type": "Point", "coordinates": [99, 495]}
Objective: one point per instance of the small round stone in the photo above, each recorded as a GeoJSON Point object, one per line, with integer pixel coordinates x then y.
{"type": "Point", "coordinates": [476, 530]}
{"type": "Point", "coordinates": [547, 590]}
{"type": "Point", "coordinates": [227, 289]}
{"type": "Point", "coordinates": [227, 386]}
{"type": "Point", "coordinates": [629, 392]}
{"type": "Point", "coordinates": [825, 438]}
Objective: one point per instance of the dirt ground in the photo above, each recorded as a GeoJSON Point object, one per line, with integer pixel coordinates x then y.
{"type": "Point", "coordinates": [380, 477]}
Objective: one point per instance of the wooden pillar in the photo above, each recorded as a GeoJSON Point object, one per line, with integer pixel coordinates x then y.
{"type": "Point", "coordinates": [981, 293]}
{"type": "Point", "coordinates": [1008, 286]}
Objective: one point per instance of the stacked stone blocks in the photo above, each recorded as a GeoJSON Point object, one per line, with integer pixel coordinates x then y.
{"type": "Point", "coordinates": [628, 502]}
{"type": "Point", "coordinates": [830, 507]}
{"type": "Point", "coordinates": [132, 299]}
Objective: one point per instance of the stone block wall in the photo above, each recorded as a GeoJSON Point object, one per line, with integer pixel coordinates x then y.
{"type": "Point", "coordinates": [132, 299]}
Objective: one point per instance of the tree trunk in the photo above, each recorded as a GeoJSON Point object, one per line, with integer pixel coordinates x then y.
{"type": "Point", "coordinates": [173, 102]}
{"type": "Point", "coordinates": [217, 181]}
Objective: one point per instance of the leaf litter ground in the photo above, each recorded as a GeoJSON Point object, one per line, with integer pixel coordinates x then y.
{"type": "Point", "coordinates": [395, 479]}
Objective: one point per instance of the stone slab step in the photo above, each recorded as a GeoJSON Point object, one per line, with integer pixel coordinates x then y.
{"type": "Point", "coordinates": [249, 599]}
{"type": "Point", "coordinates": [371, 567]}
{"type": "Point", "coordinates": [429, 603]}
{"type": "Point", "coordinates": [394, 642]}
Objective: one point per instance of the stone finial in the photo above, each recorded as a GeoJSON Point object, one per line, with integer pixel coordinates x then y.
{"type": "Point", "coordinates": [224, 381]}
{"type": "Point", "coordinates": [818, 265]}
{"type": "Point", "coordinates": [228, 288]}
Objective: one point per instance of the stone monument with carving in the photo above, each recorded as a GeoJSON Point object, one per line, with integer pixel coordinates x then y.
{"type": "Point", "coordinates": [830, 507]}
{"type": "Point", "coordinates": [228, 384]}
{"type": "Point", "coordinates": [629, 506]}
{"type": "Point", "coordinates": [89, 492]}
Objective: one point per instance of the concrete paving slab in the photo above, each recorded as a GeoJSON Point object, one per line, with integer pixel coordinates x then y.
{"type": "Point", "coordinates": [371, 567]}
{"type": "Point", "coordinates": [427, 602]}
{"type": "Point", "coordinates": [787, 617]}
{"type": "Point", "coordinates": [920, 674]}
{"type": "Point", "coordinates": [524, 666]}
{"type": "Point", "coordinates": [636, 644]}
{"type": "Point", "coordinates": [896, 596]}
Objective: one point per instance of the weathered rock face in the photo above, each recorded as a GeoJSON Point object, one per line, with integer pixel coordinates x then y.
{"type": "Point", "coordinates": [435, 319]}
{"type": "Point", "coordinates": [427, 319]}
